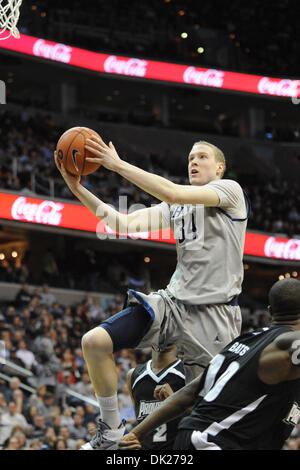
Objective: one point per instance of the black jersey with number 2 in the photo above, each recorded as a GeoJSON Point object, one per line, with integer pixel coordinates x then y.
{"type": "Point", "coordinates": [238, 410]}
{"type": "Point", "coordinates": [143, 383]}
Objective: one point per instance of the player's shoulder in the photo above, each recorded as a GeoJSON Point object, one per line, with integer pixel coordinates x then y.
{"type": "Point", "coordinates": [226, 183]}
{"type": "Point", "coordinates": [139, 369]}
{"type": "Point", "coordinates": [176, 368]}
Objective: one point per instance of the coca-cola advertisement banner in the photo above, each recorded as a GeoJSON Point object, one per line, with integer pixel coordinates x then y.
{"type": "Point", "coordinates": [77, 217]}
{"type": "Point", "coordinates": [152, 70]}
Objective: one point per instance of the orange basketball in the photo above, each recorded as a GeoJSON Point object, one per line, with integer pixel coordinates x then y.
{"type": "Point", "coordinates": [72, 153]}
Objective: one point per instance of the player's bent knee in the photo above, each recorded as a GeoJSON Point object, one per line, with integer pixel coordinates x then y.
{"type": "Point", "coordinates": [97, 341]}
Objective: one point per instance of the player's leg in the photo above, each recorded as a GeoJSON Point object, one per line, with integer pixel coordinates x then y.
{"type": "Point", "coordinates": [206, 330]}
{"type": "Point", "coordinates": [97, 349]}
{"type": "Point", "coordinates": [124, 330]}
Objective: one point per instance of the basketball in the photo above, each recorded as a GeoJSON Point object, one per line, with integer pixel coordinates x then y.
{"type": "Point", "coordinates": [72, 153]}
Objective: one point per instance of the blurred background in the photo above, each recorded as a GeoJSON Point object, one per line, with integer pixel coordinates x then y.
{"type": "Point", "coordinates": [57, 283]}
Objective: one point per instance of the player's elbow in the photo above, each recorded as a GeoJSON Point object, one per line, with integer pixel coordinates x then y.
{"type": "Point", "coordinates": [172, 195]}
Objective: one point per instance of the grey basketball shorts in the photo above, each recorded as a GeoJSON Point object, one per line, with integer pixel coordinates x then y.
{"type": "Point", "coordinates": [199, 331]}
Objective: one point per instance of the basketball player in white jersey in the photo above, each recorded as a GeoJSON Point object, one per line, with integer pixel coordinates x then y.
{"type": "Point", "coordinates": [198, 311]}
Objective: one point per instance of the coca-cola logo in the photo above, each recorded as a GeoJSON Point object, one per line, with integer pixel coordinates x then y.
{"type": "Point", "coordinates": [132, 67]}
{"type": "Point", "coordinates": [289, 249]}
{"type": "Point", "coordinates": [209, 77]}
{"type": "Point", "coordinates": [58, 52]}
{"type": "Point", "coordinates": [283, 87]}
{"type": "Point", "coordinates": [47, 212]}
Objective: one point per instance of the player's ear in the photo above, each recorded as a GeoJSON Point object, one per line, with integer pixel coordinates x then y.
{"type": "Point", "coordinates": [220, 169]}
{"type": "Point", "coordinates": [270, 310]}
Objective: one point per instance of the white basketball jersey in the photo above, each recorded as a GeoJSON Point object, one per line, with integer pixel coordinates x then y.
{"type": "Point", "coordinates": [210, 245]}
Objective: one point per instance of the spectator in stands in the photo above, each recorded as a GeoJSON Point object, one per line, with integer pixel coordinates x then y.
{"type": "Point", "coordinates": [30, 414]}
{"type": "Point", "coordinates": [20, 435]}
{"type": "Point", "coordinates": [13, 385]}
{"type": "Point", "coordinates": [37, 399]}
{"type": "Point", "coordinates": [25, 355]}
{"type": "Point", "coordinates": [60, 444]}
{"type": "Point", "coordinates": [84, 386]}
{"type": "Point", "coordinates": [50, 408]}
{"type": "Point", "coordinates": [18, 398]}
{"type": "Point", "coordinates": [61, 395]}
{"type": "Point", "coordinates": [50, 438]}
{"type": "Point", "coordinates": [92, 412]}
{"type": "Point", "coordinates": [3, 405]}
{"type": "Point", "coordinates": [48, 365]}
{"type": "Point", "coordinates": [65, 434]}
{"type": "Point", "coordinates": [46, 296]}
{"type": "Point", "coordinates": [77, 431]}
{"type": "Point", "coordinates": [11, 419]}
{"type": "Point", "coordinates": [23, 297]}
{"type": "Point", "coordinates": [124, 397]}
{"type": "Point", "coordinates": [39, 427]}
{"type": "Point", "coordinates": [13, 444]}
{"type": "Point", "coordinates": [66, 417]}
{"type": "Point", "coordinates": [15, 360]}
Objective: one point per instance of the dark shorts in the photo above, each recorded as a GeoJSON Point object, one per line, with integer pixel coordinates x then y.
{"type": "Point", "coordinates": [128, 327]}
{"type": "Point", "coordinates": [183, 440]}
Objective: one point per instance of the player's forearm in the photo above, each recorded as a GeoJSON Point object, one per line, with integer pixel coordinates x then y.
{"type": "Point", "coordinates": [110, 216]}
{"type": "Point", "coordinates": [171, 408]}
{"type": "Point", "coordinates": [166, 190]}
{"type": "Point", "coordinates": [157, 186]}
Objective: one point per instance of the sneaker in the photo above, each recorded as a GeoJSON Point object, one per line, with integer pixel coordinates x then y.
{"type": "Point", "coordinates": [105, 437]}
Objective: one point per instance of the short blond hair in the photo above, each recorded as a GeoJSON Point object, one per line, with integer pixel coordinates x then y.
{"type": "Point", "coordinates": [219, 155]}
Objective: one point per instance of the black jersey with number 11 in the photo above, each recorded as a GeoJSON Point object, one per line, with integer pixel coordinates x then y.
{"type": "Point", "coordinates": [238, 410]}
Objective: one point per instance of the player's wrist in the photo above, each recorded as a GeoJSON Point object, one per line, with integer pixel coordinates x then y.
{"type": "Point", "coordinates": [120, 167]}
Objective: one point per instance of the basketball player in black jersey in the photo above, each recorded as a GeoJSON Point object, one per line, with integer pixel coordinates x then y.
{"type": "Point", "coordinates": [151, 383]}
{"type": "Point", "coordinates": [249, 396]}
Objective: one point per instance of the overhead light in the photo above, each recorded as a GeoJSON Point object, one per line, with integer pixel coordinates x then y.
{"type": "Point", "coordinates": [2, 256]}
{"type": "Point", "coordinates": [200, 50]}
{"type": "Point", "coordinates": [147, 259]}
{"type": "Point", "coordinates": [184, 35]}
{"type": "Point", "coordinates": [14, 254]}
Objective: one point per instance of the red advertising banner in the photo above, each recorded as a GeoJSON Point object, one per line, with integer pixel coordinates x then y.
{"type": "Point", "coordinates": [152, 70]}
{"type": "Point", "coordinates": [77, 217]}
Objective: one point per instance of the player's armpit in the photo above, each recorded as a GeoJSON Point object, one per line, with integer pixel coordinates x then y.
{"type": "Point", "coordinates": [195, 195]}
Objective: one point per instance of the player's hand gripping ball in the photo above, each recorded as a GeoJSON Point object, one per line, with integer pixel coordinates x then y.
{"type": "Point", "coordinates": [72, 154]}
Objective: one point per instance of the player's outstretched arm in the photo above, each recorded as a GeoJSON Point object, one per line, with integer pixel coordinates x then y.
{"type": "Point", "coordinates": [142, 220]}
{"type": "Point", "coordinates": [280, 360]}
{"type": "Point", "coordinates": [174, 406]}
{"type": "Point", "coordinates": [157, 186]}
